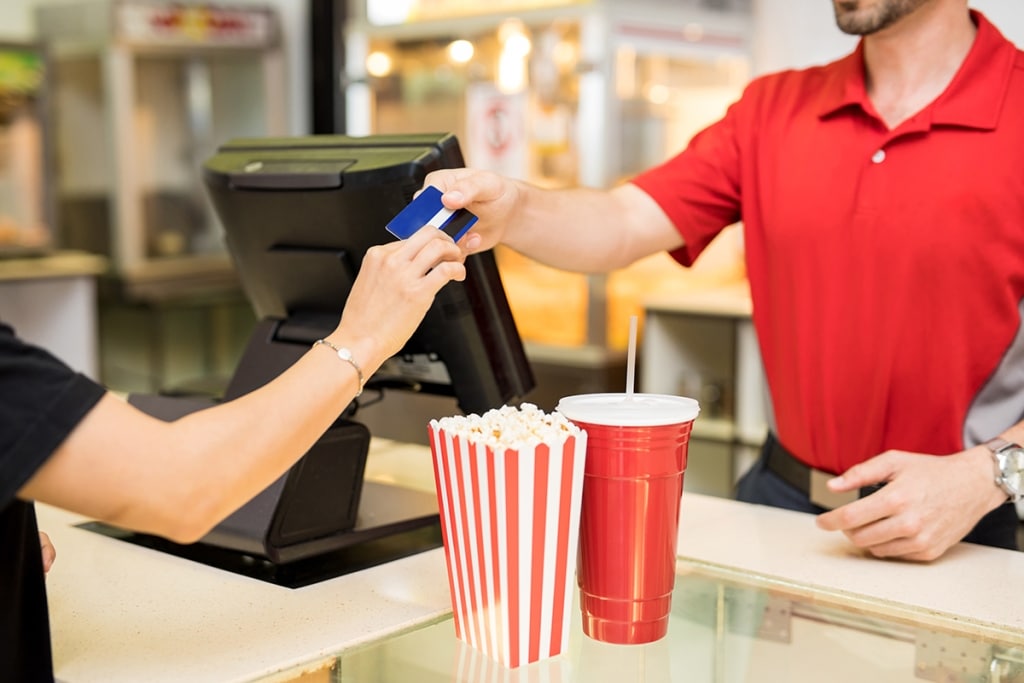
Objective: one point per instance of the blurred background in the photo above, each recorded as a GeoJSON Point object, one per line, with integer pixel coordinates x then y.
{"type": "Point", "coordinates": [111, 255]}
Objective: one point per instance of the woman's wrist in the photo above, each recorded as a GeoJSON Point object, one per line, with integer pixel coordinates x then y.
{"type": "Point", "coordinates": [363, 350]}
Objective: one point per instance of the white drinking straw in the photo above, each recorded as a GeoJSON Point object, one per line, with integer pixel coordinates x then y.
{"type": "Point", "coordinates": [631, 356]}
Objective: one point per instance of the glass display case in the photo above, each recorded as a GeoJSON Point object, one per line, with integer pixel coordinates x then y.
{"type": "Point", "coordinates": [726, 627]}
{"type": "Point", "coordinates": [561, 93]}
{"type": "Point", "coordinates": [26, 203]}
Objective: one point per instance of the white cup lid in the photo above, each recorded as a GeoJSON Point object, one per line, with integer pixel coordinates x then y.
{"type": "Point", "coordinates": [629, 410]}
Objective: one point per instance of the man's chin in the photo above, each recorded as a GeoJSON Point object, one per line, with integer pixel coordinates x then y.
{"type": "Point", "coordinates": [855, 20]}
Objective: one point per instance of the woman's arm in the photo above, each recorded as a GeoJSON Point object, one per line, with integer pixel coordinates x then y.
{"type": "Point", "coordinates": [179, 479]}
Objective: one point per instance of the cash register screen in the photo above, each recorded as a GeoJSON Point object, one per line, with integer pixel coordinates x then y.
{"type": "Point", "coordinates": [299, 215]}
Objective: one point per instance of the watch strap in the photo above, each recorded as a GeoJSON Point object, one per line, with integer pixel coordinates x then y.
{"type": "Point", "coordinates": [997, 446]}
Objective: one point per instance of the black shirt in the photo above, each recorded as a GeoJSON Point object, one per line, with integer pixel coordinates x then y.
{"type": "Point", "coordinates": [41, 401]}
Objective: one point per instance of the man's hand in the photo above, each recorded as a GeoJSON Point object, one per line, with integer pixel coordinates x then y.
{"type": "Point", "coordinates": [927, 505]}
{"type": "Point", "coordinates": [494, 200]}
{"type": "Point", "coordinates": [49, 552]}
{"type": "Point", "coordinates": [581, 229]}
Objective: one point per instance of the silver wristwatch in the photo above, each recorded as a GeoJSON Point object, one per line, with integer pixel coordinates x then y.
{"type": "Point", "coordinates": [1009, 464]}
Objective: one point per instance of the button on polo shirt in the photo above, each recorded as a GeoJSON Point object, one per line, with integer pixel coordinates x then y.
{"type": "Point", "coordinates": [886, 266]}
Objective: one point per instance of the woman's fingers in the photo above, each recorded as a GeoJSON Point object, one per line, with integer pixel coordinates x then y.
{"type": "Point", "coordinates": [49, 552]}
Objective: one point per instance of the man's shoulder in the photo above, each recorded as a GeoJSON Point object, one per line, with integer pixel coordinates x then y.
{"type": "Point", "coordinates": [782, 95]}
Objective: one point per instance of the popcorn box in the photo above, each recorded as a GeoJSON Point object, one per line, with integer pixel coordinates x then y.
{"type": "Point", "coordinates": [509, 488]}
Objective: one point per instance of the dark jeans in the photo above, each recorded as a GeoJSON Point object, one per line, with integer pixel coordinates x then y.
{"type": "Point", "coordinates": [760, 485]}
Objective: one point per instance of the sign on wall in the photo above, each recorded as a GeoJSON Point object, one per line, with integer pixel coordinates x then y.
{"type": "Point", "coordinates": [496, 130]}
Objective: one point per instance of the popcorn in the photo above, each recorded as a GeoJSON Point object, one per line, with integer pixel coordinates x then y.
{"type": "Point", "coordinates": [522, 428]}
{"type": "Point", "coordinates": [509, 490]}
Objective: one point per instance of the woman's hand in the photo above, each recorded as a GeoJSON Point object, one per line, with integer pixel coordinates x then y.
{"type": "Point", "coordinates": [397, 283]}
{"type": "Point", "coordinates": [494, 200]}
{"type": "Point", "coordinates": [49, 552]}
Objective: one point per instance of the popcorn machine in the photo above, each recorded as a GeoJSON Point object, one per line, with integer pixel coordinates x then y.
{"type": "Point", "coordinates": [144, 92]}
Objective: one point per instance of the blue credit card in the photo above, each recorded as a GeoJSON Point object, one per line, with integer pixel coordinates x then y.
{"type": "Point", "coordinates": [427, 209]}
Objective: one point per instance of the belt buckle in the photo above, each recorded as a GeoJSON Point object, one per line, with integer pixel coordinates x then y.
{"type": "Point", "coordinates": [821, 496]}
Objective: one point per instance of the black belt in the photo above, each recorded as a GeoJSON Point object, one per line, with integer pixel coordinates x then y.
{"type": "Point", "coordinates": [808, 480]}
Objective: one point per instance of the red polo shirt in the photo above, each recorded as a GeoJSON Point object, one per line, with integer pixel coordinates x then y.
{"type": "Point", "coordinates": [886, 266]}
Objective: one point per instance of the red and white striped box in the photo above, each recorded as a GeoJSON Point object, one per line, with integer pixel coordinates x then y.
{"type": "Point", "coordinates": [509, 488]}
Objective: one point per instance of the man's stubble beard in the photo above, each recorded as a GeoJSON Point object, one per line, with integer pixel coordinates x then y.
{"type": "Point", "coordinates": [865, 22]}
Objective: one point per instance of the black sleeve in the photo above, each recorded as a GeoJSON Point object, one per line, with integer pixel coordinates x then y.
{"type": "Point", "coordinates": [41, 401]}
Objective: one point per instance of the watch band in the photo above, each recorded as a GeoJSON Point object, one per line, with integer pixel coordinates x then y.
{"type": "Point", "coordinates": [997, 446]}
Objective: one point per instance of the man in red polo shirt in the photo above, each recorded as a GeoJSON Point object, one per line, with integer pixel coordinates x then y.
{"type": "Point", "coordinates": [882, 203]}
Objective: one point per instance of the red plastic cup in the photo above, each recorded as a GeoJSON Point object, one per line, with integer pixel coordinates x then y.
{"type": "Point", "coordinates": [629, 520]}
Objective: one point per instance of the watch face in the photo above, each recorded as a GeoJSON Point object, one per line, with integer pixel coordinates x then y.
{"type": "Point", "coordinates": [1011, 467]}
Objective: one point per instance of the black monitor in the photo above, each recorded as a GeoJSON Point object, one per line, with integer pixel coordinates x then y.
{"type": "Point", "coordinates": [300, 213]}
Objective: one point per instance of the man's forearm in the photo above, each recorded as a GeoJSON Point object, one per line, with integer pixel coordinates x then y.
{"type": "Point", "coordinates": [588, 230]}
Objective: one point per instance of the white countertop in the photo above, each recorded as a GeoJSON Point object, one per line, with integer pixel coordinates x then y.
{"type": "Point", "coordinates": [120, 612]}
{"type": "Point", "coordinates": [124, 613]}
{"type": "Point", "coordinates": [977, 586]}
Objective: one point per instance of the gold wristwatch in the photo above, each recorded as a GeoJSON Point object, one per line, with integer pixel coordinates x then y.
{"type": "Point", "coordinates": [1009, 465]}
